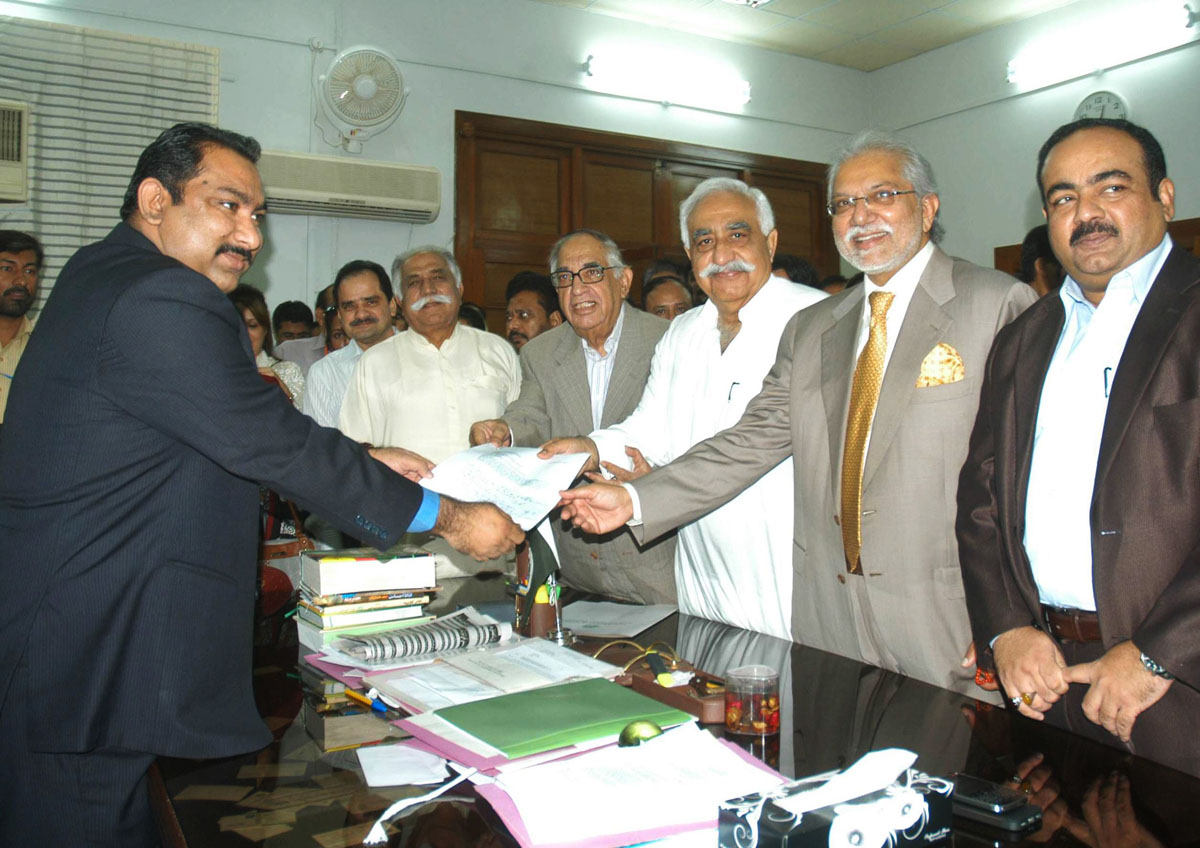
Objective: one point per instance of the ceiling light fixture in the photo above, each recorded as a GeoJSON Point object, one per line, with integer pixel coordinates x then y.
{"type": "Point", "coordinates": [753, 4]}
{"type": "Point", "coordinates": [683, 79]}
{"type": "Point", "coordinates": [1151, 27]}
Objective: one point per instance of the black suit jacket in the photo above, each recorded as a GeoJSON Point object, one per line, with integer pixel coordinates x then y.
{"type": "Point", "coordinates": [136, 435]}
{"type": "Point", "coordinates": [1145, 510]}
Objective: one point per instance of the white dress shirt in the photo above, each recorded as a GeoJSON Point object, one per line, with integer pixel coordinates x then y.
{"type": "Point", "coordinates": [407, 393]}
{"type": "Point", "coordinates": [327, 381]}
{"type": "Point", "coordinates": [902, 285]}
{"type": "Point", "coordinates": [735, 564]}
{"type": "Point", "coordinates": [1070, 423]}
{"type": "Point", "coordinates": [599, 368]}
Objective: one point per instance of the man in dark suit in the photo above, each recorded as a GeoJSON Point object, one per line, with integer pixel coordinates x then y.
{"type": "Point", "coordinates": [1079, 503]}
{"type": "Point", "coordinates": [129, 503]}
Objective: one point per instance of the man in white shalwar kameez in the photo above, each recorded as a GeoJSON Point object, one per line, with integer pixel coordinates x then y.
{"type": "Point", "coordinates": [734, 565]}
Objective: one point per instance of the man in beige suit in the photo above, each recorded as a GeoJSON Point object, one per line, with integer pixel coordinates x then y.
{"type": "Point", "coordinates": [580, 376]}
{"type": "Point", "coordinates": [875, 557]}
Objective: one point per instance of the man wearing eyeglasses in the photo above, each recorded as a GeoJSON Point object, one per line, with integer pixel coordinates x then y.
{"type": "Point", "coordinates": [874, 398]}
{"type": "Point", "coordinates": [304, 352]}
{"type": "Point", "coordinates": [582, 375]}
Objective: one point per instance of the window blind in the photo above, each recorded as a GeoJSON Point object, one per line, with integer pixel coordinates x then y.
{"type": "Point", "coordinates": [96, 100]}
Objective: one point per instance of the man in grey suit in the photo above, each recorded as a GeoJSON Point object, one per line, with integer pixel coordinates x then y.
{"type": "Point", "coordinates": [578, 377]}
{"type": "Point", "coordinates": [874, 398]}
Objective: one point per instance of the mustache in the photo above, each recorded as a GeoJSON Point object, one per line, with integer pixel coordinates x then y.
{"type": "Point", "coordinates": [514, 335]}
{"type": "Point", "coordinates": [1087, 228]}
{"type": "Point", "coordinates": [358, 322]}
{"type": "Point", "coordinates": [733, 266]}
{"type": "Point", "coordinates": [236, 251]}
{"type": "Point", "coordinates": [20, 291]}
{"type": "Point", "coordinates": [861, 230]}
{"type": "Point", "coordinates": [421, 303]}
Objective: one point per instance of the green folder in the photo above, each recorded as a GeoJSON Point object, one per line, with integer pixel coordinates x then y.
{"type": "Point", "coordinates": [539, 720]}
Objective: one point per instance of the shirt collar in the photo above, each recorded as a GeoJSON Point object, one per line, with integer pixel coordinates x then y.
{"type": "Point", "coordinates": [904, 281]}
{"type": "Point", "coordinates": [610, 344]}
{"type": "Point", "coordinates": [1134, 279]}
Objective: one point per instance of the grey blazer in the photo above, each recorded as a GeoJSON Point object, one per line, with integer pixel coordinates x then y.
{"type": "Point", "coordinates": [906, 612]}
{"type": "Point", "coordinates": [555, 401]}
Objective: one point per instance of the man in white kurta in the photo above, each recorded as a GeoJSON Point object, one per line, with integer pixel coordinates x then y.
{"type": "Point", "coordinates": [424, 388]}
{"type": "Point", "coordinates": [734, 565]}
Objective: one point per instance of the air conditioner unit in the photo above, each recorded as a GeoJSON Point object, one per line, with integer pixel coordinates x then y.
{"type": "Point", "coordinates": [308, 184]}
{"type": "Point", "coordinates": [14, 152]}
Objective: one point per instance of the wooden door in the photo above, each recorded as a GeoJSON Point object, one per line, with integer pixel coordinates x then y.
{"type": "Point", "coordinates": [521, 184]}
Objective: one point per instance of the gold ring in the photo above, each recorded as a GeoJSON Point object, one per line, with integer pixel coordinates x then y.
{"type": "Point", "coordinates": [1027, 698]}
{"type": "Point", "coordinates": [1026, 787]}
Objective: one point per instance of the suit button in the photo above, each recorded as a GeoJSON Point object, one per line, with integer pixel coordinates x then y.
{"type": "Point", "coordinates": [841, 578]}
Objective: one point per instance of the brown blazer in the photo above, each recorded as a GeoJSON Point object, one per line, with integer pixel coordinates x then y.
{"type": "Point", "coordinates": [1146, 502]}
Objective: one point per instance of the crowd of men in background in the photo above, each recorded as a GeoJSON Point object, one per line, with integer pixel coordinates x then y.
{"type": "Point", "coordinates": [810, 457]}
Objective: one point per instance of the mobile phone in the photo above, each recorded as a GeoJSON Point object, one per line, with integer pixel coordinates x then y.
{"type": "Point", "coordinates": [1024, 818]}
{"type": "Point", "coordinates": [980, 794]}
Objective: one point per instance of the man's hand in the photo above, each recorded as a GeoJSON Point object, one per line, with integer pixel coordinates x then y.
{"type": "Point", "coordinates": [1121, 688]}
{"type": "Point", "coordinates": [492, 431]}
{"type": "Point", "coordinates": [1029, 663]}
{"type": "Point", "coordinates": [412, 465]}
{"type": "Point", "coordinates": [640, 468]}
{"type": "Point", "coordinates": [970, 660]}
{"type": "Point", "coordinates": [480, 530]}
{"type": "Point", "coordinates": [573, 444]}
{"type": "Point", "coordinates": [598, 508]}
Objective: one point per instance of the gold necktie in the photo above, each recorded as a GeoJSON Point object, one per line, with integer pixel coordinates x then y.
{"type": "Point", "coordinates": [864, 394]}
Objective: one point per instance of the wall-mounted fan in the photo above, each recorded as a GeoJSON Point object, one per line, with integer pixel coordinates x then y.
{"type": "Point", "coordinates": [361, 94]}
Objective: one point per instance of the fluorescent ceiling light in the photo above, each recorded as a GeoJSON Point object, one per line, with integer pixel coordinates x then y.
{"type": "Point", "coordinates": [1101, 41]}
{"type": "Point", "coordinates": [682, 79]}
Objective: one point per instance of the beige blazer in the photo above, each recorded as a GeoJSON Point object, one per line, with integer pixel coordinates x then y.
{"type": "Point", "coordinates": [555, 401]}
{"type": "Point", "coordinates": [906, 611]}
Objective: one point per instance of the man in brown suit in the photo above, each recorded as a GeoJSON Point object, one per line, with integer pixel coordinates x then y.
{"type": "Point", "coordinates": [1079, 503]}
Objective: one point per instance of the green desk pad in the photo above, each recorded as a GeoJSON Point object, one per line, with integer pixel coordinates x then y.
{"type": "Point", "coordinates": [539, 720]}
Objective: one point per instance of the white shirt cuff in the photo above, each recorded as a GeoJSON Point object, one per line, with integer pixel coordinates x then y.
{"type": "Point", "coordinates": [637, 505]}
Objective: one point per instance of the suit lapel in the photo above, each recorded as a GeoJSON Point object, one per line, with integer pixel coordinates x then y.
{"type": "Point", "coordinates": [837, 371]}
{"type": "Point", "coordinates": [623, 381]}
{"type": "Point", "coordinates": [1039, 338]}
{"type": "Point", "coordinates": [572, 382]}
{"type": "Point", "coordinates": [924, 325]}
{"type": "Point", "coordinates": [1148, 339]}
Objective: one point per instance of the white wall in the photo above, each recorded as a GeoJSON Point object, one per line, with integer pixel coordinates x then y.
{"type": "Point", "coordinates": [521, 58]}
{"type": "Point", "coordinates": [983, 138]}
{"type": "Point", "coordinates": [506, 57]}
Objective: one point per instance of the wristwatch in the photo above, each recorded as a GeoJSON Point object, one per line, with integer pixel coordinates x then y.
{"type": "Point", "coordinates": [1156, 669]}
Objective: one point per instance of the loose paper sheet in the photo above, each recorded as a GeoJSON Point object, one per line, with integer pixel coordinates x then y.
{"type": "Point", "coordinates": [400, 765]}
{"type": "Point", "coordinates": [617, 621]}
{"type": "Point", "coordinates": [514, 479]}
{"type": "Point", "coordinates": [678, 778]}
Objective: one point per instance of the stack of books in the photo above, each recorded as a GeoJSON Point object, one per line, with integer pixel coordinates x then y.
{"type": "Point", "coordinates": [336, 720]}
{"type": "Point", "coordinates": [359, 590]}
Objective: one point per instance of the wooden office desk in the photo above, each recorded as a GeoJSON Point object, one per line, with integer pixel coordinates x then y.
{"type": "Point", "coordinates": [835, 710]}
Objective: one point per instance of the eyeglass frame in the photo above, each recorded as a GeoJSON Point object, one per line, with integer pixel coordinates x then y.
{"type": "Point", "coordinates": [603, 269]}
{"type": "Point", "coordinates": [883, 197]}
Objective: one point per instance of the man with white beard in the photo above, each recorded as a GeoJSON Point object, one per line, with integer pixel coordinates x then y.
{"type": "Point", "coordinates": [425, 387]}
{"type": "Point", "coordinates": [874, 398]}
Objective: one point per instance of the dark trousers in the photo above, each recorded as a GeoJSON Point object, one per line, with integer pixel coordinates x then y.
{"type": "Point", "coordinates": [96, 798]}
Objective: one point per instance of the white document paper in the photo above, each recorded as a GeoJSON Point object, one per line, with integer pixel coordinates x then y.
{"type": "Point", "coordinates": [618, 621]}
{"type": "Point", "coordinates": [400, 765]}
{"type": "Point", "coordinates": [678, 778]}
{"type": "Point", "coordinates": [488, 672]}
{"type": "Point", "coordinates": [514, 479]}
